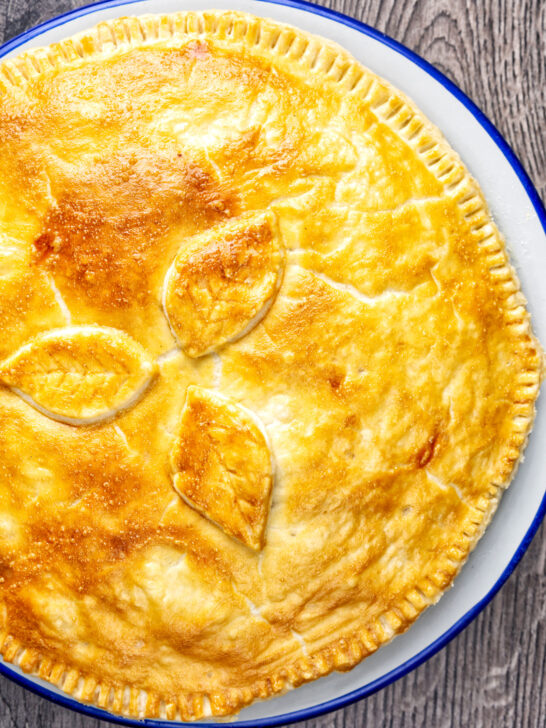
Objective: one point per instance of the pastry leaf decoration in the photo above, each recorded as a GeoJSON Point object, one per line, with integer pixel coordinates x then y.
{"type": "Point", "coordinates": [222, 283]}
{"type": "Point", "coordinates": [79, 374]}
{"type": "Point", "coordinates": [222, 465]}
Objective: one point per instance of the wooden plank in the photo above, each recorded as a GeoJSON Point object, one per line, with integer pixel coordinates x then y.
{"type": "Point", "coordinates": [493, 674]}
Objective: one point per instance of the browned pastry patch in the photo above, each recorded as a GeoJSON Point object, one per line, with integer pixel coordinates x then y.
{"type": "Point", "coordinates": [104, 236]}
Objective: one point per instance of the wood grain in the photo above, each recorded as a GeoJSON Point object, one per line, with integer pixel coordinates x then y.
{"type": "Point", "coordinates": [493, 674]}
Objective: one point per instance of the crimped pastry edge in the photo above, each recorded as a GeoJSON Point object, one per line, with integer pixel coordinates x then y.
{"type": "Point", "coordinates": [392, 107]}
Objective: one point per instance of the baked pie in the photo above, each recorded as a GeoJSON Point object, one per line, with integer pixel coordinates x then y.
{"type": "Point", "coordinates": [265, 367]}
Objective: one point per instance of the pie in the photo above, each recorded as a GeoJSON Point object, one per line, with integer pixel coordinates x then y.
{"type": "Point", "coordinates": [265, 367]}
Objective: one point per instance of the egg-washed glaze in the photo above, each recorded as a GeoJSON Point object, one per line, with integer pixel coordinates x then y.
{"type": "Point", "coordinates": [394, 373]}
{"type": "Point", "coordinates": [222, 465]}
{"type": "Point", "coordinates": [79, 374]}
{"type": "Point", "coordinates": [221, 284]}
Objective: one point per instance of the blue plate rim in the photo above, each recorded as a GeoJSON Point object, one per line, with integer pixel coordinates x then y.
{"type": "Point", "coordinates": [425, 654]}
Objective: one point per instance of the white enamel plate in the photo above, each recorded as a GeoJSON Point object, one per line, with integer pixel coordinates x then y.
{"type": "Point", "coordinates": [520, 216]}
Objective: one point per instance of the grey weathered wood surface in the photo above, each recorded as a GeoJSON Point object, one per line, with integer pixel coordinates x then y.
{"type": "Point", "coordinates": [494, 673]}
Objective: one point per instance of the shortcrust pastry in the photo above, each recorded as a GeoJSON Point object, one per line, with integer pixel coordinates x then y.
{"type": "Point", "coordinates": [265, 367]}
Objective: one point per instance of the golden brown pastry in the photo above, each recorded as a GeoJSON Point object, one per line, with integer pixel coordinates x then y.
{"type": "Point", "coordinates": [79, 374]}
{"type": "Point", "coordinates": [265, 368]}
{"type": "Point", "coordinates": [222, 465]}
{"type": "Point", "coordinates": [222, 283]}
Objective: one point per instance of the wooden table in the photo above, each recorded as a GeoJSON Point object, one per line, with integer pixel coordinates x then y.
{"type": "Point", "coordinates": [493, 674]}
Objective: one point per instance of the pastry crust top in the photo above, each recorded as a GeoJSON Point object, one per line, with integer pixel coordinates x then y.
{"type": "Point", "coordinates": [226, 245]}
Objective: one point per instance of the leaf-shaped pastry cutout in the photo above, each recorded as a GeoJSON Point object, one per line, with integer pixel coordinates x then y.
{"type": "Point", "coordinates": [79, 374]}
{"type": "Point", "coordinates": [222, 282]}
{"type": "Point", "coordinates": [222, 465]}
